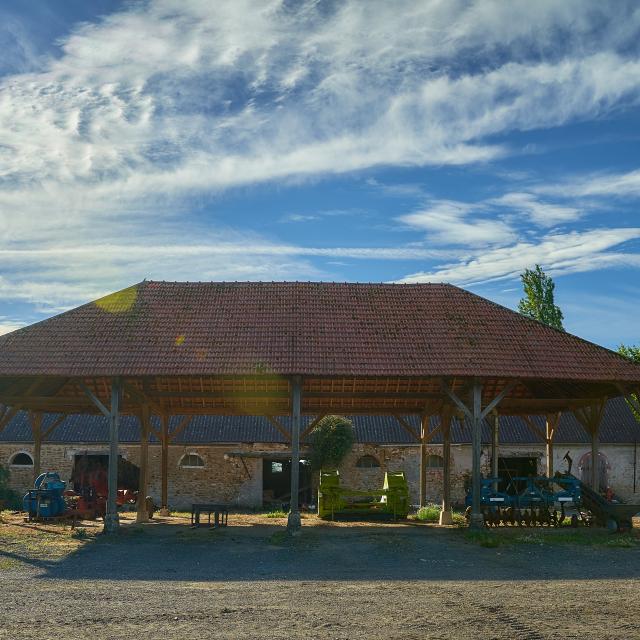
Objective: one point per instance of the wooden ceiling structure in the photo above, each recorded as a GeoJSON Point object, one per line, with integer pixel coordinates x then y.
{"type": "Point", "coordinates": [305, 348]}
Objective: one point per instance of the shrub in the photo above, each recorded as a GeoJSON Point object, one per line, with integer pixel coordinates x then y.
{"type": "Point", "coordinates": [331, 440]}
{"type": "Point", "coordinates": [429, 513]}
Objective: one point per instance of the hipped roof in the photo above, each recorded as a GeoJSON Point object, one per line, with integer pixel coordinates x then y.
{"type": "Point", "coordinates": [315, 329]}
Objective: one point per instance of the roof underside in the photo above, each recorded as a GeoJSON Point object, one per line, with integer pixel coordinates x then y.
{"type": "Point", "coordinates": [231, 348]}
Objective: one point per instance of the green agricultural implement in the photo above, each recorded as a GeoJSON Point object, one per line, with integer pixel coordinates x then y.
{"type": "Point", "coordinates": [392, 501]}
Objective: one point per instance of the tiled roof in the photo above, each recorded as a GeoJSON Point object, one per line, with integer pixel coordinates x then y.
{"type": "Point", "coordinates": [164, 328]}
{"type": "Point", "coordinates": [618, 426]}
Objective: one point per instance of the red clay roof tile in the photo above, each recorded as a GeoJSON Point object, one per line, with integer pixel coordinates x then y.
{"type": "Point", "coordinates": [215, 328]}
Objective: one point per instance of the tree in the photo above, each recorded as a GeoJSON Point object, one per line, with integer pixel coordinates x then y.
{"type": "Point", "coordinates": [331, 440]}
{"type": "Point", "coordinates": [632, 352]}
{"type": "Point", "coordinates": [538, 302]}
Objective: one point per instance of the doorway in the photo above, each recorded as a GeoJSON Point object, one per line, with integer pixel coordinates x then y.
{"type": "Point", "coordinates": [276, 482]}
{"type": "Point", "coordinates": [516, 467]}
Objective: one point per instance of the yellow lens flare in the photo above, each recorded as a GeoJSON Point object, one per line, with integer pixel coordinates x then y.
{"type": "Point", "coordinates": [119, 302]}
{"type": "Point", "coordinates": [180, 340]}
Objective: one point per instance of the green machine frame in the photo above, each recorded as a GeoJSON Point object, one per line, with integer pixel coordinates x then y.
{"type": "Point", "coordinates": [392, 501]}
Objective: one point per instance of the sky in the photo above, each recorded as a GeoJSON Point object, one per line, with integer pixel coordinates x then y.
{"type": "Point", "coordinates": [406, 141]}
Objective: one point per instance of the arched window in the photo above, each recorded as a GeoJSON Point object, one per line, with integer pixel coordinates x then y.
{"type": "Point", "coordinates": [435, 462]}
{"type": "Point", "coordinates": [191, 461]}
{"type": "Point", "coordinates": [22, 459]}
{"type": "Point", "coordinates": [367, 462]}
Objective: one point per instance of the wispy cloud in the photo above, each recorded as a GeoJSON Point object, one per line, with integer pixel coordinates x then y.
{"type": "Point", "coordinates": [559, 253]}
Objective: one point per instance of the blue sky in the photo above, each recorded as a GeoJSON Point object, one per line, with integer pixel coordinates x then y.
{"type": "Point", "coordinates": [289, 140]}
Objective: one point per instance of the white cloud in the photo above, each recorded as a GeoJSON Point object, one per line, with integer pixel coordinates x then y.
{"type": "Point", "coordinates": [103, 148]}
{"type": "Point", "coordinates": [543, 214]}
{"type": "Point", "coordinates": [612, 185]}
{"type": "Point", "coordinates": [558, 254]}
{"type": "Point", "coordinates": [448, 222]}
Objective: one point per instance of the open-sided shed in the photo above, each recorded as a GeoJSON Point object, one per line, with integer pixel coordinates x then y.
{"type": "Point", "coordinates": [296, 348]}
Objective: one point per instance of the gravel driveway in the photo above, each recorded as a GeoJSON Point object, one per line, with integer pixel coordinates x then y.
{"type": "Point", "coordinates": [395, 581]}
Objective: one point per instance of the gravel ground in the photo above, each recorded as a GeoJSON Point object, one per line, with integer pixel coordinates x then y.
{"type": "Point", "coordinates": [335, 582]}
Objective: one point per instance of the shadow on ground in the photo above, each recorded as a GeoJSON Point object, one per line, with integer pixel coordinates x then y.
{"type": "Point", "coordinates": [160, 552]}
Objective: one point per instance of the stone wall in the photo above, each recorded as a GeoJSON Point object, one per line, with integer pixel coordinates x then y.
{"type": "Point", "coordinates": [226, 478]}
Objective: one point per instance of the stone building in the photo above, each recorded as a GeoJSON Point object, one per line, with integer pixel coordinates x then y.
{"type": "Point", "coordinates": [245, 460]}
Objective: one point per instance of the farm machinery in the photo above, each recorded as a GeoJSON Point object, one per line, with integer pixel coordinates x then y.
{"type": "Point", "coordinates": [51, 500]}
{"type": "Point", "coordinates": [392, 501]}
{"type": "Point", "coordinates": [530, 501]}
{"type": "Point", "coordinates": [542, 501]}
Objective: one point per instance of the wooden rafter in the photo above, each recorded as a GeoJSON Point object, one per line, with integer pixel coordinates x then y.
{"type": "Point", "coordinates": [280, 427]}
{"type": "Point", "coordinates": [407, 427]}
{"type": "Point", "coordinates": [312, 425]}
{"type": "Point", "coordinates": [180, 428]}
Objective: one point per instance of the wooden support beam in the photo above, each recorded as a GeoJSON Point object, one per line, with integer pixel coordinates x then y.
{"type": "Point", "coordinates": [445, 425]}
{"type": "Point", "coordinates": [182, 425]}
{"type": "Point", "coordinates": [164, 466]}
{"type": "Point", "coordinates": [590, 418]}
{"type": "Point", "coordinates": [94, 399]}
{"type": "Point", "coordinates": [495, 443]}
{"type": "Point", "coordinates": [424, 430]}
{"type": "Point", "coordinates": [313, 424]}
{"type": "Point", "coordinates": [534, 427]}
{"type": "Point", "coordinates": [36, 429]}
{"type": "Point", "coordinates": [294, 522]}
{"type": "Point", "coordinates": [279, 427]}
{"type": "Point", "coordinates": [476, 520]}
{"type": "Point", "coordinates": [142, 514]}
{"type": "Point", "coordinates": [407, 427]}
{"type": "Point", "coordinates": [111, 519]}
{"type": "Point", "coordinates": [140, 396]}
{"type": "Point", "coordinates": [551, 424]}
{"type": "Point", "coordinates": [56, 423]}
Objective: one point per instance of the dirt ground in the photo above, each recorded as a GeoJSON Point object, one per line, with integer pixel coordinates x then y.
{"type": "Point", "coordinates": [333, 581]}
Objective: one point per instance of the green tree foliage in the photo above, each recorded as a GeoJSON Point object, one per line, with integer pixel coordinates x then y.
{"type": "Point", "coordinates": [9, 499]}
{"type": "Point", "coordinates": [538, 302]}
{"type": "Point", "coordinates": [631, 352]}
{"type": "Point", "coordinates": [331, 440]}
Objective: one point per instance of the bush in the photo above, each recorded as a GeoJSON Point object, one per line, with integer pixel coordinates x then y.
{"type": "Point", "coordinates": [331, 440]}
{"type": "Point", "coordinates": [9, 499]}
{"type": "Point", "coordinates": [429, 513]}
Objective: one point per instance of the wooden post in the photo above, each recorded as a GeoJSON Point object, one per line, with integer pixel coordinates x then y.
{"type": "Point", "coordinates": [294, 521]}
{"type": "Point", "coordinates": [424, 430]}
{"type": "Point", "coordinates": [164, 467]}
{"type": "Point", "coordinates": [590, 418]}
{"type": "Point", "coordinates": [476, 520]}
{"type": "Point", "coordinates": [549, 434]}
{"type": "Point", "coordinates": [495, 442]}
{"type": "Point", "coordinates": [111, 520]}
{"type": "Point", "coordinates": [445, 514]}
{"type": "Point", "coordinates": [36, 429]}
{"type": "Point", "coordinates": [595, 462]}
{"type": "Point", "coordinates": [142, 511]}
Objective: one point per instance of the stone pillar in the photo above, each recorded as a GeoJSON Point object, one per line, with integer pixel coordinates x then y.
{"type": "Point", "coordinates": [476, 521]}
{"type": "Point", "coordinates": [294, 521]}
{"type": "Point", "coordinates": [111, 519]}
{"type": "Point", "coordinates": [142, 514]}
{"type": "Point", "coordinates": [445, 514]}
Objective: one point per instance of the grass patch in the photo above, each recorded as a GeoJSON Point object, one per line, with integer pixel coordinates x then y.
{"type": "Point", "coordinates": [552, 537]}
{"type": "Point", "coordinates": [80, 533]}
{"type": "Point", "coordinates": [276, 513]}
{"type": "Point", "coordinates": [429, 513]}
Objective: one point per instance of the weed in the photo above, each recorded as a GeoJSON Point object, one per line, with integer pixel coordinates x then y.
{"type": "Point", "coordinates": [429, 513]}
{"type": "Point", "coordinates": [277, 513]}
{"type": "Point", "coordinates": [80, 533]}
{"type": "Point", "coordinates": [484, 539]}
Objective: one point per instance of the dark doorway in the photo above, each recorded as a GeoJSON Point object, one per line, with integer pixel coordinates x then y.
{"type": "Point", "coordinates": [516, 467]}
{"type": "Point", "coordinates": [276, 481]}
{"type": "Point", "coordinates": [92, 469]}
